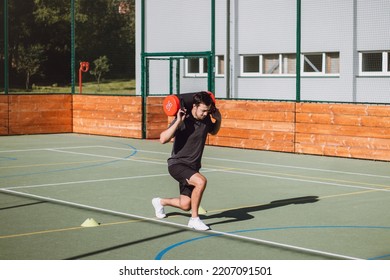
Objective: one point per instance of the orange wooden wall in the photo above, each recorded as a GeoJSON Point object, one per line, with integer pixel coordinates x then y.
{"type": "Point", "coordinates": [343, 130]}
{"type": "Point", "coordinates": [156, 120]}
{"type": "Point", "coordinates": [32, 114]}
{"type": "Point", "coordinates": [256, 125]}
{"type": "Point", "coordinates": [3, 114]}
{"type": "Point", "coordinates": [108, 115]}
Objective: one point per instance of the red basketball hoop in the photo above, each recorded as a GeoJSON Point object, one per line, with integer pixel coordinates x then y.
{"type": "Point", "coordinates": [84, 67]}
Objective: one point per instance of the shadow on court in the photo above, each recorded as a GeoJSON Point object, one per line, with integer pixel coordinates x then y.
{"type": "Point", "coordinates": [112, 248]}
{"type": "Point", "coordinates": [22, 205]}
{"type": "Point", "coordinates": [242, 214]}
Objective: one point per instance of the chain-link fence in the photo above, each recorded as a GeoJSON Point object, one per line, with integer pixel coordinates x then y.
{"type": "Point", "coordinates": [48, 45]}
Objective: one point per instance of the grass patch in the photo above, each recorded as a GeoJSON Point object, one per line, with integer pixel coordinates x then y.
{"type": "Point", "coordinates": [115, 87]}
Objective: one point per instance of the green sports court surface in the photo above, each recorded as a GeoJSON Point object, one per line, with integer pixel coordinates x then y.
{"type": "Point", "coordinates": [260, 205]}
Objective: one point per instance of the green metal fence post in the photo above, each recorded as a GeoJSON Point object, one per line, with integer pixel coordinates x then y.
{"type": "Point", "coordinates": [212, 56]}
{"type": "Point", "coordinates": [170, 76]}
{"type": "Point", "coordinates": [73, 48]}
{"type": "Point", "coordinates": [143, 93]}
{"type": "Point", "coordinates": [227, 56]}
{"type": "Point", "coordinates": [6, 74]}
{"type": "Point", "coordinates": [298, 53]}
{"type": "Point", "coordinates": [177, 75]}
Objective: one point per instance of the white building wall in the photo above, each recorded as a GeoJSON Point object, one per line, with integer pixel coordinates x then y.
{"type": "Point", "coordinates": [373, 24]}
{"type": "Point", "coordinates": [177, 25]}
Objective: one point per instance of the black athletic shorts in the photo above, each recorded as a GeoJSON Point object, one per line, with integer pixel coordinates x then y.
{"type": "Point", "coordinates": [182, 173]}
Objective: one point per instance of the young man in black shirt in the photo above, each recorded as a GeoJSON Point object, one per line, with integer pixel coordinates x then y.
{"type": "Point", "coordinates": [190, 131]}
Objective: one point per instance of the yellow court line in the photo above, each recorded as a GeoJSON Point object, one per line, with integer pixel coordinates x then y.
{"type": "Point", "coordinates": [63, 229]}
{"type": "Point", "coordinates": [50, 164]}
{"type": "Point", "coordinates": [74, 162]}
{"type": "Point", "coordinates": [39, 232]}
{"type": "Point", "coordinates": [148, 158]}
{"type": "Point", "coordinates": [134, 221]}
{"type": "Point", "coordinates": [347, 194]}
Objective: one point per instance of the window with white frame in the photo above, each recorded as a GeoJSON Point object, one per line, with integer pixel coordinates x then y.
{"type": "Point", "coordinates": [374, 63]}
{"type": "Point", "coordinates": [289, 64]}
{"type": "Point", "coordinates": [388, 62]}
{"type": "Point", "coordinates": [268, 65]}
{"type": "Point", "coordinates": [317, 64]}
{"type": "Point", "coordinates": [271, 64]}
{"type": "Point", "coordinates": [198, 67]}
{"type": "Point", "coordinates": [250, 65]}
{"type": "Point", "coordinates": [193, 66]}
{"type": "Point", "coordinates": [321, 63]}
{"type": "Point", "coordinates": [332, 63]}
{"type": "Point", "coordinates": [220, 65]}
{"type": "Point", "coordinates": [312, 63]}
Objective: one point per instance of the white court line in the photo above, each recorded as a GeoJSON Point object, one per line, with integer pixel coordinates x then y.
{"type": "Point", "coordinates": [46, 149]}
{"type": "Point", "coordinates": [205, 157]}
{"type": "Point", "coordinates": [246, 173]}
{"type": "Point", "coordinates": [85, 181]}
{"type": "Point", "coordinates": [91, 181]}
{"type": "Point", "coordinates": [203, 171]}
{"type": "Point", "coordinates": [110, 157]}
{"type": "Point", "coordinates": [236, 236]}
{"type": "Point", "coordinates": [303, 168]}
{"type": "Point", "coordinates": [270, 164]}
{"type": "Point", "coordinates": [222, 170]}
{"type": "Point", "coordinates": [303, 180]}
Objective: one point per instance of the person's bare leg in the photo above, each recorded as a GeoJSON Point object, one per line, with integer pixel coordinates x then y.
{"type": "Point", "coordinates": [183, 202]}
{"type": "Point", "coordinates": [199, 182]}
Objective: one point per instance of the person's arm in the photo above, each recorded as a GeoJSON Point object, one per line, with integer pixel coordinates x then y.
{"type": "Point", "coordinates": [169, 133]}
{"type": "Point", "coordinates": [218, 120]}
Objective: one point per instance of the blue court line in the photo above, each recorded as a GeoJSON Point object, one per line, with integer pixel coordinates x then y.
{"type": "Point", "coordinates": [161, 254]}
{"type": "Point", "coordinates": [8, 158]}
{"type": "Point", "coordinates": [134, 152]}
{"type": "Point", "coordinates": [380, 257]}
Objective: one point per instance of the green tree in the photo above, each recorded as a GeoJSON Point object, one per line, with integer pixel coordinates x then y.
{"type": "Point", "coordinates": [99, 30]}
{"type": "Point", "coordinates": [106, 32]}
{"type": "Point", "coordinates": [101, 67]}
{"type": "Point", "coordinates": [29, 61]}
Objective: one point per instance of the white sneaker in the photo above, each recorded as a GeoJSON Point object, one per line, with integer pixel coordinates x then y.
{"type": "Point", "coordinates": [160, 213]}
{"type": "Point", "coordinates": [197, 224]}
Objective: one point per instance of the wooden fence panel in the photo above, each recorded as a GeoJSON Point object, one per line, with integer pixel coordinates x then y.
{"type": "Point", "coordinates": [30, 114]}
{"type": "Point", "coordinates": [108, 115]}
{"type": "Point", "coordinates": [256, 125]}
{"type": "Point", "coordinates": [344, 130]}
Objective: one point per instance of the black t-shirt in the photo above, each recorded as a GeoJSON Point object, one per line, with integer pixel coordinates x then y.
{"type": "Point", "coordinates": [190, 139]}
